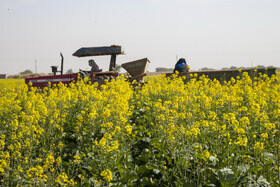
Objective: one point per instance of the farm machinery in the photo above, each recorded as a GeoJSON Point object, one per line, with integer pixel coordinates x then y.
{"type": "Point", "coordinates": [136, 69]}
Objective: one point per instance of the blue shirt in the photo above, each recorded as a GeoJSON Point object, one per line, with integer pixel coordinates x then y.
{"type": "Point", "coordinates": [180, 64]}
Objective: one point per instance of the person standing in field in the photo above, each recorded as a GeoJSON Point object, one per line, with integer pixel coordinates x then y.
{"type": "Point", "coordinates": [181, 66]}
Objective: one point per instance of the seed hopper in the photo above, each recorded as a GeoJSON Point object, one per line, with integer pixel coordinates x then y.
{"type": "Point", "coordinates": [136, 69]}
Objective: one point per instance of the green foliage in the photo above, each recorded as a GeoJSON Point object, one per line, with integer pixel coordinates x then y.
{"type": "Point", "coordinates": [162, 69]}
{"type": "Point", "coordinates": [25, 72]}
{"type": "Point", "coordinates": [69, 71]}
{"type": "Point", "coordinates": [169, 132]}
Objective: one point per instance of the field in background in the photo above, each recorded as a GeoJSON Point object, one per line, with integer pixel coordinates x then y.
{"type": "Point", "coordinates": [11, 83]}
{"type": "Point", "coordinates": [171, 131]}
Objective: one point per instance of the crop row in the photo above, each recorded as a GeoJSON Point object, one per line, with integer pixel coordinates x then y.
{"type": "Point", "coordinates": [169, 132]}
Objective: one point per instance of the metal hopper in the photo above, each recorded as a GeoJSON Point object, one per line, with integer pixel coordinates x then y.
{"type": "Point", "coordinates": [137, 69]}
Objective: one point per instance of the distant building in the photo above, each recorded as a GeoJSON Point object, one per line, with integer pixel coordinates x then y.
{"type": "Point", "coordinates": [3, 76]}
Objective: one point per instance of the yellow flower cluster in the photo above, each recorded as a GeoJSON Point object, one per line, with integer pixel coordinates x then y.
{"type": "Point", "coordinates": [46, 134]}
{"type": "Point", "coordinates": [10, 83]}
{"type": "Point", "coordinates": [228, 119]}
{"type": "Point", "coordinates": [107, 175]}
{"type": "Point", "coordinates": [37, 173]}
{"type": "Point", "coordinates": [83, 134]}
{"type": "Point", "coordinates": [63, 180]}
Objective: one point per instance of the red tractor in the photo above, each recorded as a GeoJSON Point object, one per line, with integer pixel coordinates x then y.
{"type": "Point", "coordinates": [137, 69]}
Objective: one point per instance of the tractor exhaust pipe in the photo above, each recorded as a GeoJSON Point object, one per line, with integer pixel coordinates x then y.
{"type": "Point", "coordinates": [61, 70]}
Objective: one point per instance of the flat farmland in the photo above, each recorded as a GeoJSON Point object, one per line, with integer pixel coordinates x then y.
{"type": "Point", "coordinates": [171, 131]}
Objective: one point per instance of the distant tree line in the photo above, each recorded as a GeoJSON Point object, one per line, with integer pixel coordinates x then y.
{"type": "Point", "coordinates": [30, 73]}
{"type": "Point", "coordinates": [259, 67]}
{"type": "Point", "coordinates": [235, 67]}
{"type": "Point", "coordinates": [162, 69]}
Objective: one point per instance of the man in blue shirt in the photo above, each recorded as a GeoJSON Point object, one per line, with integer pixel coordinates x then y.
{"type": "Point", "coordinates": [181, 66]}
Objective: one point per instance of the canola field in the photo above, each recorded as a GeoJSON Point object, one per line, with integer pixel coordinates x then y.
{"type": "Point", "coordinates": [10, 83]}
{"type": "Point", "coordinates": [170, 132]}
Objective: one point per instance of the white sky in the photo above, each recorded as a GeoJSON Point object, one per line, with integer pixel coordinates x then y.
{"type": "Point", "coordinates": [208, 33]}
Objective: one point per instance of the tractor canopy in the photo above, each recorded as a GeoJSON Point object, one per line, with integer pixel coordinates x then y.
{"type": "Point", "coordinates": [97, 51]}
{"type": "Point", "coordinates": [112, 50]}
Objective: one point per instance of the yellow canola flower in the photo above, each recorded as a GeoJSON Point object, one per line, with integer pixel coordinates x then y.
{"type": "Point", "coordinates": [205, 155]}
{"type": "Point", "coordinates": [240, 130]}
{"type": "Point", "coordinates": [102, 142]}
{"type": "Point", "coordinates": [244, 121]}
{"type": "Point", "coordinates": [49, 161]}
{"type": "Point", "coordinates": [77, 158]}
{"type": "Point", "coordinates": [3, 165]}
{"type": "Point", "coordinates": [37, 173]}
{"type": "Point", "coordinates": [195, 131]}
{"type": "Point", "coordinates": [264, 135]}
{"type": "Point", "coordinates": [269, 126]}
{"type": "Point", "coordinates": [107, 175]}
{"type": "Point", "coordinates": [259, 146]}
{"type": "Point", "coordinates": [128, 129]}
{"type": "Point", "coordinates": [63, 180]}
{"type": "Point", "coordinates": [59, 160]}
{"type": "Point", "coordinates": [242, 141]}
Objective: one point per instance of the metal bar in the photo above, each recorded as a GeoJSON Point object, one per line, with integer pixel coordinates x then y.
{"type": "Point", "coordinates": [61, 70]}
{"type": "Point", "coordinates": [113, 62]}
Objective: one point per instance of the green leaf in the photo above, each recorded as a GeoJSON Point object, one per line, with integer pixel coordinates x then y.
{"type": "Point", "coordinates": [120, 170]}
{"type": "Point", "coordinates": [269, 157]}
{"type": "Point", "coordinates": [262, 181]}
{"type": "Point", "coordinates": [226, 176]}
{"type": "Point", "coordinates": [213, 160]}
{"type": "Point", "coordinates": [156, 171]}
